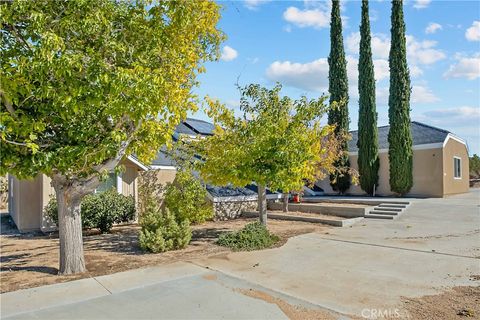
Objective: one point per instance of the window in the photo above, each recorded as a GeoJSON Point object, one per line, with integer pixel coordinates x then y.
{"type": "Point", "coordinates": [457, 168]}
{"type": "Point", "coordinates": [105, 185]}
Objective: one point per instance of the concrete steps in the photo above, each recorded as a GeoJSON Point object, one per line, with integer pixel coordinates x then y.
{"type": "Point", "coordinates": [387, 210]}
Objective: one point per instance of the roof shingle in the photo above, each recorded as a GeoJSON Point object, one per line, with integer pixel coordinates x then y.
{"type": "Point", "coordinates": [421, 134]}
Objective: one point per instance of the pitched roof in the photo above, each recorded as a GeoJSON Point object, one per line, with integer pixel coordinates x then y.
{"type": "Point", "coordinates": [421, 134]}
{"type": "Point", "coordinates": [163, 159]}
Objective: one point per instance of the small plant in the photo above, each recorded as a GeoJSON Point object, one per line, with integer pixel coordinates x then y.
{"type": "Point", "coordinates": [100, 210]}
{"type": "Point", "coordinates": [253, 236]}
{"type": "Point", "coordinates": [161, 232]}
{"type": "Point", "coordinates": [186, 198]}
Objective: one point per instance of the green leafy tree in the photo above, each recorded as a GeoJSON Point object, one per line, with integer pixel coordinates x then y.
{"type": "Point", "coordinates": [400, 152]}
{"type": "Point", "coordinates": [186, 198]}
{"type": "Point", "coordinates": [338, 89]}
{"type": "Point", "coordinates": [367, 143]}
{"type": "Point", "coordinates": [85, 83]}
{"type": "Point", "coordinates": [279, 143]}
{"type": "Point", "coordinates": [474, 165]}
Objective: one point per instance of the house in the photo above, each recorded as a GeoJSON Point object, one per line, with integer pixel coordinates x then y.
{"type": "Point", "coordinates": [27, 198]}
{"type": "Point", "coordinates": [440, 163]}
{"type": "Point", "coordinates": [440, 168]}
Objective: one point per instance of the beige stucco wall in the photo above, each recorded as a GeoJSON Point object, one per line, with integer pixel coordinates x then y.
{"type": "Point", "coordinates": [29, 197]}
{"type": "Point", "coordinates": [427, 175]}
{"type": "Point", "coordinates": [27, 203]}
{"type": "Point", "coordinates": [451, 185]}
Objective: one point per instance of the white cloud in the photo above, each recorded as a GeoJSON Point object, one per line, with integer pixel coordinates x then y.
{"type": "Point", "coordinates": [466, 113]}
{"type": "Point", "coordinates": [382, 95]}
{"type": "Point", "coordinates": [254, 4]}
{"type": "Point", "coordinates": [415, 71]}
{"type": "Point", "coordinates": [433, 27]}
{"type": "Point", "coordinates": [421, 4]}
{"type": "Point", "coordinates": [381, 69]}
{"type": "Point", "coordinates": [423, 94]}
{"type": "Point", "coordinates": [313, 76]}
{"type": "Point", "coordinates": [380, 44]}
{"type": "Point", "coordinates": [423, 52]}
{"type": "Point", "coordinates": [316, 18]}
{"type": "Point", "coordinates": [228, 54]}
{"type": "Point", "coordinates": [466, 67]}
{"type": "Point", "coordinates": [418, 52]}
{"type": "Point", "coordinates": [473, 33]}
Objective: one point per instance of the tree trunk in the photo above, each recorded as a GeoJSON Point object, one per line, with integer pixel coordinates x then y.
{"type": "Point", "coordinates": [262, 204]}
{"type": "Point", "coordinates": [69, 229]}
{"type": "Point", "coordinates": [285, 202]}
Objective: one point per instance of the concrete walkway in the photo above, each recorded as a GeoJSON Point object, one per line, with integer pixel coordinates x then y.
{"type": "Point", "coordinates": [176, 291]}
{"type": "Point", "coordinates": [433, 246]}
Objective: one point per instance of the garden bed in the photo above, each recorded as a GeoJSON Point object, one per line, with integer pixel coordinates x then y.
{"type": "Point", "coordinates": [32, 260]}
{"type": "Point", "coordinates": [306, 217]}
{"type": "Point", "coordinates": [346, 210]}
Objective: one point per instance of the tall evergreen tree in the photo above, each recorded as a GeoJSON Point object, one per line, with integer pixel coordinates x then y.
{"type": "Point", "coordinates": [338, 89]}
{"type": "Point", "coordinates": [399, 137]}
{"type": "Point", "coordinates": [367, 143]}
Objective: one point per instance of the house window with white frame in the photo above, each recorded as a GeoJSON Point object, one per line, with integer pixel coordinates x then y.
{"type": "Point", "coordinates": [110, 182]}
{"type": "Point", "coordinates": [457, 167]}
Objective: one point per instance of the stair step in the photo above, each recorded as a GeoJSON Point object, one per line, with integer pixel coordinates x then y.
{"type": "Point", "coordinates": [387, 209]}
{"type": "Point", "coordinates": [379, 216]}
{"type": "Point", "coordinates": [384, 212]}
{"type": "Point", "coordinates": [388, 205]}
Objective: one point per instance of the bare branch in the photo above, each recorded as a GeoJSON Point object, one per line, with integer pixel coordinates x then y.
{"type": "Point", "coordinates": [8, 104]}
{"type": "Point", "coordinates": [23, 144]}
{"type": "Point", "coordinates": [19, 36]}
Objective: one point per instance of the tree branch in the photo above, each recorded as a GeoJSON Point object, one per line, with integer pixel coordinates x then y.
{"type": "Point", "coordinates": [19, 36]}
{"type": "Point", "coordinates": [23, 144]}
{"type": "Point", "coordinates": [8, 105]}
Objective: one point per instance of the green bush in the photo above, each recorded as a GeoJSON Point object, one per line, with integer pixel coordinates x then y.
{"type": "Point", "coordinates": [161, 232]}
{"type": "Point", "coordinates": [253, 236]}
{"type": "Point", "coordinates": [100, 210]}
{"type": "Point", "coordinates": [186, 198]}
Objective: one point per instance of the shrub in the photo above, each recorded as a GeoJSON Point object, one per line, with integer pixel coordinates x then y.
{"type": "Point", "coordinates": [100, 210]}
{"type": "Point", "coordinates": [161, 232]}
{"type": "Point", "coordinates": [253, 236]}
{"type": "Point", "coordinates": [51, 210]}
{"type": "Point", "coordinates": [186, 198]}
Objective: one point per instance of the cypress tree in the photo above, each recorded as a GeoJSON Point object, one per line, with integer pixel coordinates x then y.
{"type": "Point", "coordinates": [338, 89]}
{"type": "Point", "coordinates": [399, 137]}
{"type": "Point", "coordinates": [367, 143]}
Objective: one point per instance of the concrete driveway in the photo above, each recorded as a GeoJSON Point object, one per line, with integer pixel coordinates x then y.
{"type": "Point", "coordinates": [372, 265]}
{"type": "Point", "coordinates": [433, 246]}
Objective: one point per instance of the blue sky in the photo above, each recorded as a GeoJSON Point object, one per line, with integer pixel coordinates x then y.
{"type": "Point", "coordinates": [288, 42]}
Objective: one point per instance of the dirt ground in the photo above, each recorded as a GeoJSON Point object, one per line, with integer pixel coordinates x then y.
{"type": "Point", "coordinates": [454, 304]}
{"type": "Point", "coordinates": [32, 260]}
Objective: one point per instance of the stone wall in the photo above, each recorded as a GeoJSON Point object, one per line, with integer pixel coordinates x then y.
{"type": "Point", "coordinates": [226, 210]}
